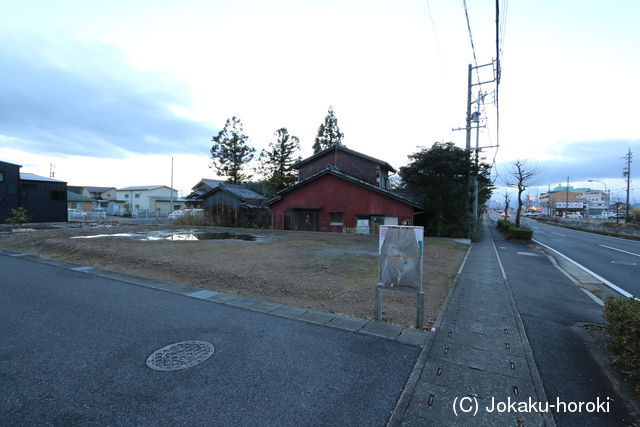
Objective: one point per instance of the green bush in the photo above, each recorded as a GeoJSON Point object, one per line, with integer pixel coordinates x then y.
{"type": "Point", "coordinates": [519, 233]}
{"type": "Point", "coordinates": [18, 216]}
{"type": "Point", "coordinates": [623, 315]}
{"type": "Point", "coordinates": [503, 224]}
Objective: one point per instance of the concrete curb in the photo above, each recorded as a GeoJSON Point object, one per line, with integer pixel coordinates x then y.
{"type": "Point", "coordinates": [407, 393]}
{"type": "Point", "coordinates": [387, 331]}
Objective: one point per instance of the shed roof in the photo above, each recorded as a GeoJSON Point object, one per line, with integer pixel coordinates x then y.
{"type": "Point", "coordinates": [98, 189]}
{"type": "Point", "coordinates": [331, 170]}
{"type": "Point", "coordinates": [75, 197]}
{"type": "Point", "coordinates": [142, 188]}
{"type": "Point", "coordinates": [343, 148]}
{"type": "Point", "coordinates": [24, 176]}
{"type": "Point", "coordinates": [242, 193]}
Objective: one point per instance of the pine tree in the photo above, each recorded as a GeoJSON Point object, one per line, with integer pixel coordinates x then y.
{"type": "Point", "coordinates": [276, 161]}
{"type": "Point", "coordinates": [230, 151]}
{"type": "Point", "coordinates": [328, 133]}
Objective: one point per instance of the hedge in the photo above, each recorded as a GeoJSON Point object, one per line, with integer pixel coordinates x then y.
{"type": "Point", "coordinates": [519, 233]}
{"type": "Point", "coordinates": [513, 231]}
{"type": "Point", "coordinates": [623, 315]}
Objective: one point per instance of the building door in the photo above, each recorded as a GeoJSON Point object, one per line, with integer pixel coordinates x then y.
{"type": "Point", "coordinates": [305, 220]}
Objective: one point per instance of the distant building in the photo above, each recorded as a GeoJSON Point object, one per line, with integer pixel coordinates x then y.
{"type": "Point", "coordinates": [9, 189]}
{"type": "Point", "coordinates": [78, 201]}
{"type": "Point", "coordinates": [584, 201]}
{"type": "Point", "coordinates": [149, 198]}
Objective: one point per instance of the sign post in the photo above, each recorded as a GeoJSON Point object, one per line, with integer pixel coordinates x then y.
{"type": "Point", "coordinates": [401, 250]}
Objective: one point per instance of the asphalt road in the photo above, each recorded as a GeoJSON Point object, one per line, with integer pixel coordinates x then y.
{"type": "Point", "coordinates": [617, 260]}
{"type": "Point", "coordinates": [554, 312]}
{"type": "Point", "coordinates": [73, 348]}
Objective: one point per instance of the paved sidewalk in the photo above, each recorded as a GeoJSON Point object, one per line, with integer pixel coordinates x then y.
{"type": "Point", "coordinates": [478, 355]}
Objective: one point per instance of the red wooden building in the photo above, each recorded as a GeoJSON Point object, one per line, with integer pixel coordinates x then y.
{"type": "Point", "coordinates": [341, 190]}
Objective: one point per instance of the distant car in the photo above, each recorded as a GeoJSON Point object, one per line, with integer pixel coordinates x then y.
{"type": "Point", "coordinates": [573, 216]}
{"type": "Point", "coordinates": [183, 212]}
{"type": "Point", "coordinates": [505, 215]}
{"type": "Point", "coordinates": [75, 214]}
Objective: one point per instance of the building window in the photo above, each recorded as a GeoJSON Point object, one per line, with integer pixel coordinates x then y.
{"type": "Point", "coordinates": [126, 196]}
{"type": "Point", "coordinates": [57, 195]}
{"type": "Point", "coordinates": [336, 218]}
{"type": "Point", "coordinates": [1, 176]}
{"type": "Point", "coordinates": [137, 196]}
{"type": "Point", "coordinates": [137, 206]}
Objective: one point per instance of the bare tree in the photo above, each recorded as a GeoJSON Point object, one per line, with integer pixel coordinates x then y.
{"type": "Point", "coordinates": [507, 200]}
{"type": "Point", "coordinates": [520, 175]}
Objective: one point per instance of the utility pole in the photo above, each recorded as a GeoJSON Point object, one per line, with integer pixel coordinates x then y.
{"type": "Point", "coordinates": [566, 212]}
{"type": "Point", "coordinates": [627, 174]}
{"type": "Point", "coordinates": [171, 191]}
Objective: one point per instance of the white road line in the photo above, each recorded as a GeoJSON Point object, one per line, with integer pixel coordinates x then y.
{"type": "Point", "coordinates": [504, 275]}
{"type": "Point", "coordinates": [602, 279]}
{"type": "Point", "coordinates": [559, 234]}
{"type": "Point", "coordinates": [619, 250]}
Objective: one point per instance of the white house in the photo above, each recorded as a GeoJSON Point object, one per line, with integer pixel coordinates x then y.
{"type": "Point", "coordinates": [149, 198]}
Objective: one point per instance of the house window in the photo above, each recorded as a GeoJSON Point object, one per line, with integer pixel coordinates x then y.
{"type": "Point", "coordinates": [57, 195]}
{"type": "Point", "coordinates": [126, 196]}
{"type": "Point", "coordinates": [137, 206]}
{"type": "Point", "coordinates": [336, 218]}
{"type": "Point", "coordinates": [137, 196]}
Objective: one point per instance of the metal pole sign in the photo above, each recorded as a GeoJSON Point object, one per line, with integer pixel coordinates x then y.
{"type": "Point", "coordinates": [401, 250]}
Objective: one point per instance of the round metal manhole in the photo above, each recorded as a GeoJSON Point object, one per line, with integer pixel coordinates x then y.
{"type": "Point", "coordinates": [180, 355]}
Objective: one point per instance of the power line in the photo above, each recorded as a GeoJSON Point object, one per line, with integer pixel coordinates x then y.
{"type": "Point", "coordinates": [435, 36]}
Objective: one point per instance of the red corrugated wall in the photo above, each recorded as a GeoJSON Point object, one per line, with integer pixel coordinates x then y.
{"type": "Point", "coordinates": [334, 194]}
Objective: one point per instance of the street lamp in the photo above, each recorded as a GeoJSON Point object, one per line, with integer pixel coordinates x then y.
{"type": "Point", "coordinates": [606, 196]}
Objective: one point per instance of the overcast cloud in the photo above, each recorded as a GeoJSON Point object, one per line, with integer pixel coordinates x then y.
{"type": "Point", "coordinates": [82, 98]}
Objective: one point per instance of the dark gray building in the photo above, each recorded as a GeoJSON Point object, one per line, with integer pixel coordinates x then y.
{"type": "Point", "coordinates": [45, 199]}
{"type": "Point", "coordinates": [9, 183]}
{"type": "Point", "coordinates": [236, 206]}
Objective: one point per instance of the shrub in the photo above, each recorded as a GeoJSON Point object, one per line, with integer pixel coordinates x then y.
{"type": "Point", "coordinates": [18, 216]}
{"type": "Point", "coordinates": [519, 233]}
{"type": "Point", "coordinates": [503, 224]}
{"type": "Point", "coordinates": [623, 315]}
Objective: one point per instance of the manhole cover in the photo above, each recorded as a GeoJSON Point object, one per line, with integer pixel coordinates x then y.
{"type": "Point", "coordinates": [180, 355]}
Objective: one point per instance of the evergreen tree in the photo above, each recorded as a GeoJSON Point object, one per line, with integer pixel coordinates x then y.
{"type": "Point", "coordinates": [437, 176]}
{"type": "Point", "coordinates": [276, 161]}
{"type": "Point", "coordinates": [328, 133]}
{"type": "Point", "coordinates": [230, 151]}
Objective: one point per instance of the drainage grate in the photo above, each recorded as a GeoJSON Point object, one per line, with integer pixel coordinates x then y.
{"type": "Point", "coordinates": [180, 355]}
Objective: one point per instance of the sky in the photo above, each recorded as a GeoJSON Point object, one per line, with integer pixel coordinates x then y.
{"type": "Point", "coordinates": [106, 93]}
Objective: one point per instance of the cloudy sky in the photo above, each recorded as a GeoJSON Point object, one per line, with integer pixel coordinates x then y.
{"type": "Point", "coordinates": [107, 92]}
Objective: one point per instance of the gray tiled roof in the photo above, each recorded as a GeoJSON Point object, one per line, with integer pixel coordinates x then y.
{"type": "Point", "coordinates": [33, 177]}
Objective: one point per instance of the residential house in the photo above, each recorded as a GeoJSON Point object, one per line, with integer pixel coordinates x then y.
{"type": "Point", "coordinates": [102, 196]}
{"type": "Point", "coordinates": [235, 205]}
{"type": "Point", "coordinates": [341, 190]}
{"type": "Point", "coordinates": [79, 201]}
{"type": "Point", "coordinates": [204, 186]}
{"type": "Point", "coordinates": [149, 199]}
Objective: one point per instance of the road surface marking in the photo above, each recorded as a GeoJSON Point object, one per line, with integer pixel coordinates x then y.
{"type": "Point", "coordinates": [623, 263]}
{"type": "Point", "coordinates": [528, 254]}
{"type": "Point", "coordinates": [504, 275]}
{"type": "Point", "coordinates": [559, 234]}
{"type": "Point", "coordinates": [84, 268]}
{"type": "Point", "coordinates": [619, 250]}
{"type": "Point", "coordinates": [602, 279]}
{"type": "Point", "coordinates": [593, 297]}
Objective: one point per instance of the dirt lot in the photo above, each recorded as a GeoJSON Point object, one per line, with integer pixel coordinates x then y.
{"type": "Point", "coordinates": [322, 271]}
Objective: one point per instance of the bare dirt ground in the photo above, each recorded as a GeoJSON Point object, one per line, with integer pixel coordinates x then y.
{"type": "Point", "coordinates": [328, 272]}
